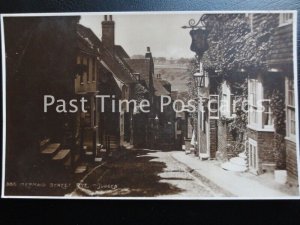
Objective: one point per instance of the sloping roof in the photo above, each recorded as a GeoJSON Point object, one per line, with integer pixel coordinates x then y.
{"type": "Point", "coordinates": [159, 88]}
{"type": "Point", "coordinates": [174, 95]}
{"type": "Point", "coordinates": [141, 66]}
{"type": "Point", "coordinates": [119, 50]}
{"type": "Point", "coordinates": [87, 36]}
{"type": "Point", "coordinates": [94, 44]}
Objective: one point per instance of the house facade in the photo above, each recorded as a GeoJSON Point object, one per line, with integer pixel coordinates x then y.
{"type": "Point", "coordinates": [270, 97]}
{"type": "Point", "coordinates": [261, 123]}
{"type": "Point", "coordinates": [46, 66]}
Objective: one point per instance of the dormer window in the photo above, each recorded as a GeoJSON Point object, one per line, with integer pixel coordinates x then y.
{"type": "Point", "coordinates": [136, 76]}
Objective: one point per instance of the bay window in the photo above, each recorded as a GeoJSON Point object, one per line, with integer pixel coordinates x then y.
{"type": "Point", "coordinates": [260, 115]}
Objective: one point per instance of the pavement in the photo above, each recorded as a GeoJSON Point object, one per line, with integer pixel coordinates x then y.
{"type": "Point", "coordinates": [235, 184]}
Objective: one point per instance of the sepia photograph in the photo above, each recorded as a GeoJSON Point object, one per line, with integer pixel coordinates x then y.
{"type": "Point", "coordinates": [150, 105]}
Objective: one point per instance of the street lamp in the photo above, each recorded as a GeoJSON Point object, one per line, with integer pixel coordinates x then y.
{"type": "Point", "coordinates": [199, 35]}
{"type": "Point", "coordinates": [199, 77]}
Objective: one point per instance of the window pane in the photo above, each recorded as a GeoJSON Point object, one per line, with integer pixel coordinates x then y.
{"type": "Point", "coordinates": [293, 122]}
{"type": "Point", "coordinates": [250, 155]}
{"type": "Point", "coordinates": [267, 114]}
{"type": "Point", "coordinates": [291, 97]}
{"type": "Point", "coordinates": [254, 156]}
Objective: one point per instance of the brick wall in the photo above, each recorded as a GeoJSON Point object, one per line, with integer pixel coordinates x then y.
{"type": "Point", "coordinates": [222, 141]}
{"type": "Point", "coordinates": [264, 146]}
{"type": "Point", "coordinates": [291, 159]}
{"type": "Point", "coordinates": [226, 142]}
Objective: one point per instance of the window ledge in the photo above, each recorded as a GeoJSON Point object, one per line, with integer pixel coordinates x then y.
{"type": "Point", "coordinates": [292, 139]}
{"type": "Point", "coordinates": [259, 128]}
{"type": "Point", "coordinates": [285, 24]}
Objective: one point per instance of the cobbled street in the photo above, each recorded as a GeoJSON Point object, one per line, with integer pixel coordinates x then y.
{"type": "Point", "coordinates": [148, 173]}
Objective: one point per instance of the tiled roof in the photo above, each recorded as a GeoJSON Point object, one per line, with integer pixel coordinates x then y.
{"type": "Point", "coordinates": [87, 36]}
{"type": "Point", "coordinates": [119, 50]}
{"type": "Point", "coordinates": [159, 88]}
{"type": "Point", "coordinates": [88, 41]}
{"type": "Point", "coordinates": [141, 66]}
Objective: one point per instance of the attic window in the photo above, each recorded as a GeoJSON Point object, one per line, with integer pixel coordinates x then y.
{"type": "Point", "coordinates": [285, 18]}
{"type": "Point", "coordinates": [136, 76]}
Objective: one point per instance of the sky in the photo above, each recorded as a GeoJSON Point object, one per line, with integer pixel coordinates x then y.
{"type": "Point", "coordinates": [161, 32]}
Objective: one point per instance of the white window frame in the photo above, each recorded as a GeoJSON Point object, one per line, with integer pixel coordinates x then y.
{"type": "Point", "coordinates": [267, 111]}
{"type": "Point", "coordinates": [284, 19]}
{"type": "Point", "coordinates": [290, 108]}
{"type": "Point", "coordinates": [202, 116]}
{"type": "Point", "coordinates": [218, 107]}
{"type": "Point", "coordinates": [233, 101]}
{"type": "Point", "coordinates": [253, 159]}
{"type": "Point", "coordinates": [256, 109]}
{"type": "Point", "coordinates": [253, 96]}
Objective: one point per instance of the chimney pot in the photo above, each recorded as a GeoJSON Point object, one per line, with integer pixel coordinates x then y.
{"type": "Point", "coordinates": [105, 17]}
{"type": "Point", "coordinates": [148, 49]}
{"type": "Point", "coordinates": [110, 17]}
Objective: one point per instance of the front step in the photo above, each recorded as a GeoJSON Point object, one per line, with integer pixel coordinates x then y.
{"type": "Point", "coordinates": [242, 155]}
{"type": "Point", "coordinates": [51, 149]}
{"type": "Point", "coordinates": [233, 167]}
{"type": "Point", "coordinates": [61, 155]}
{"type": "Point", "coordinates": [238, 161]}
{"type": "Point", "coordinates": [80, 169]}
{"type": "Point", "coordinates": [268, 167]}
{"type": "Point", "coordinates": [236, 164]}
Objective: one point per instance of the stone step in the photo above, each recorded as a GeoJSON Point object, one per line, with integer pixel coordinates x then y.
{"type": "Point", "coordinates": [233, 167]}
{"type": "Point", "coordinates": [268, 167]}
{"type": "Point", "coordinates": [98, 159]}
{"type": "Point", "coordinates": [61, 155]}
{"type": "Point", "coordinates": [88, 153]}
{"type": "Point", "coordinates": [51, 149]}
{"type": "Point", "coordinates": [129, 147]}
{"type": "Point", "coordinates": [238, 161]}
{"type": "Point", "coordinates": [243, 155]}
{"type": "Point", "coordinates": [80, 169]}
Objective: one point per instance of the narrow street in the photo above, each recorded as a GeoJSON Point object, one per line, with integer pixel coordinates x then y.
{"type": "Point", "coordinates": [139, 173]}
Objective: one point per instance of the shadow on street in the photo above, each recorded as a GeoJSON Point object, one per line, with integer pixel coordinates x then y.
{"type": "Point", "coordinates": [134, 174]}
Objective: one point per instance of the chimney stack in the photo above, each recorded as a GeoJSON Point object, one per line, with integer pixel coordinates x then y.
{"type": "Point", "coordinates": [108, 33]}
{"type": "Point", "coordinates": [148, 53]}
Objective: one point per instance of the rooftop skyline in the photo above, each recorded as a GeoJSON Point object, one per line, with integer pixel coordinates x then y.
{"type": "Point", "coordinates": [161, 32]}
